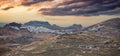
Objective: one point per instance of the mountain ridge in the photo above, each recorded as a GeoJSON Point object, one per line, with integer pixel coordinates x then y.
{"type": "Point", "coordinates": [43, 26]}
{"type": "Point", "coordinates": [107, 28]}
{"type": "Point", "coordinates": [101, 39]}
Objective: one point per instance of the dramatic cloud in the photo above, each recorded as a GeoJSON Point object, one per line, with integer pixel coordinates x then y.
{"type": "Point", "coordinates": [67, 7]}
{"type": "Point", "coordinates": [85, 7]}
{"type": "Point", "coordinates": [30, 2]}
{"type": "Point", "coordinates": [7, 8]}
{"type": "Point", "coordinates": [8, 4]}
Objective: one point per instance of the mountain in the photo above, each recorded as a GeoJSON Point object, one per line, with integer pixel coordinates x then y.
{"type": "Point", "coordinates": [107, 28]}
{"type": "Point", "coordinates": [14, 24]}
{"type": "Point", "coordinates": [37, 29]}
{"type": "Point", "coordinates": [39, 23]}
{"type": "Point", "coordinates": [74, 26]}
{"type": "Point", "coordinates": [96, 41]}
{"type": "Point", "coordinates": [2, 24]}
{"type": "Point", "coordinates": [32, 26]}
{"type": "Point", "coordinates": [57, 27]}
{"type": "Point", "coordinates": [41, 26]}
{"type": "Point", "coordinates": [38, 26]}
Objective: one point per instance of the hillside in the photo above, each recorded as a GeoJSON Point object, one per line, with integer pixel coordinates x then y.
{"type": "Point", "coordinates": [73, 45]}
{"type": "Point", "coordinates": [107, 28]}
{"type": "Point", "coordinates": [101, 39]}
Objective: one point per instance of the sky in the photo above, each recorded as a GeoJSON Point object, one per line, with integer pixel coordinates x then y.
{"type": "Point", "coordinates": [60, 12]}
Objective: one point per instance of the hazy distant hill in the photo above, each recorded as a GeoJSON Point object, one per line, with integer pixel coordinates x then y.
{"type": "Point", "coordinates": [38, 23]}
{"type": "Point", "coordinates": [14, 24]}
{"type": "Point", "coordinates": [53, 27]}
{"type": "Point", "coordinates": [2, 24]}
{"type": "Point", "coordinates": [41, 26]}
{"type": "Point", "coordinates": [74, 26]}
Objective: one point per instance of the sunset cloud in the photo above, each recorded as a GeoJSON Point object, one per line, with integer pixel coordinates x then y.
{"type": "Point", "coordinates": [67, 7]}
{"type": "Point", "coordinates": [8, 4]}
{"type": "Point", "coordinates": [85, 7]}
{"type": "Point", "coordinates": [30, 2]}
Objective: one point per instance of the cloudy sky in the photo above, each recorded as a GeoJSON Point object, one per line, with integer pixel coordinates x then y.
{"type": "Point", "coordinates": [60, 12]}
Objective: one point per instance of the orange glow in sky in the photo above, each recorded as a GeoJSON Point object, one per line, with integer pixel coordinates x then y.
{"type": "Point", "coordinates": [27, 10]}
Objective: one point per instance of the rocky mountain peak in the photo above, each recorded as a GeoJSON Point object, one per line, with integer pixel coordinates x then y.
{"type": "Point", "coordinates": [37, 23]}
{"type": "Point", "coordinates": [14, 24]}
